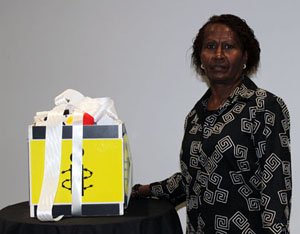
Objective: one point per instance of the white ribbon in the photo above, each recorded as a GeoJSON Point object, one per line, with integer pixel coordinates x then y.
{"type": "Point", "coordinates": [100, 108]}
{"type": "Point", "coordinates": [52, 164]}
{"type": "Point", "coordinates": [77, 135]}
{"type": "Point", "coordinates": [69, 96]}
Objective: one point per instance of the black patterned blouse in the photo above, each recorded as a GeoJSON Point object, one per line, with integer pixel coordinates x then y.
{"type": "Point", "coordinates": [235, 165]}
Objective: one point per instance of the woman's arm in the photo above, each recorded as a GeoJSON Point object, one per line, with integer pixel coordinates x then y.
{"type": "Point", "coordinates": [275, 164]}
{"type": "Point", "coordinates": [171, 189]}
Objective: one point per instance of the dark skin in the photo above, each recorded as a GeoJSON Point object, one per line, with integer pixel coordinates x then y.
{"type": "Point", "coordinates": [223, 59]}
{"type": "Point", "coordinates": [144, 191]}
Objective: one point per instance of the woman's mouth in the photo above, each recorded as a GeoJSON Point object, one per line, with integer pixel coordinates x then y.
{"type": "Point", "coordinates": [219, 68]}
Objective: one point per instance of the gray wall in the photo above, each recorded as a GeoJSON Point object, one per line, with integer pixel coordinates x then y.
{"type": "Point", "coordinates": [138, 53]}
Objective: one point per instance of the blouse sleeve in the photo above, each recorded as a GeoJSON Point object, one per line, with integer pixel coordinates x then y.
{"type": "Point", "coordinates": [171, 189]}
{"type": "Point", "coordinates": [273, 151]}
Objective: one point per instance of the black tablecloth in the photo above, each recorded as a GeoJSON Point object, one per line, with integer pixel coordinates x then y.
{"type": "Point", "coordinates": [145, 216]}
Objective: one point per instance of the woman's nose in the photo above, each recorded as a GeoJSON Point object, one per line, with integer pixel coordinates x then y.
{"type": "Point", "coordinates": [219, 52]}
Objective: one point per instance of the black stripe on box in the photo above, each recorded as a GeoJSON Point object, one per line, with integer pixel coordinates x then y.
{"type": "Point", "coordinates": [67, 132]}
{"type": "Point", "coordinates": [100, 131]}
{"type": "Point", "coordinates": [89, 132]}
{"type": "Point", "coordinates": [87, 210]}
{"type": "Point", "coordinates": [38, 132]}
{"type": "Point", "coordinates": [101, 209]}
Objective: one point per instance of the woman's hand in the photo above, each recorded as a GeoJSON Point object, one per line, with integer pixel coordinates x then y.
{"type": "Point", "coordinates": [140, 191]}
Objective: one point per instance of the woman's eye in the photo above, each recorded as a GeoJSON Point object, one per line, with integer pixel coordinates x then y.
{"type": "Point", "coordinates": [228, 46]}
{"type": "Point", "coordinates": [210, 46]}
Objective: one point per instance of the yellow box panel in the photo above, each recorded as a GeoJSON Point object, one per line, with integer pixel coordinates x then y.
{"type": "Point", "coordinates": [37, 160]}
{"type": "Point", "coordinates": [104, 159]}
{"type": "Point", "coordinates": [102, 171]}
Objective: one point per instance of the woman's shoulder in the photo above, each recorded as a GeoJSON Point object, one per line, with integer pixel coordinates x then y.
{"type": "Point", "coordinates": [262, 98]}
{"type": "Point", "coordinates": [266, 100]}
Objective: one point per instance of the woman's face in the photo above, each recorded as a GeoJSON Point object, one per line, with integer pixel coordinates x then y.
{"type": "Point", "coordinates": [222, 55]}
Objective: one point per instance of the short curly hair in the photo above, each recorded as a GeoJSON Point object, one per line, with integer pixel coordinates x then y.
{"type": "Point", "coordinates": [245, 35]}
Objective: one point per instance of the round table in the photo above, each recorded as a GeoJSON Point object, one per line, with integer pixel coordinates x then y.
{"type": "Point", "coordinates": [145, 216]}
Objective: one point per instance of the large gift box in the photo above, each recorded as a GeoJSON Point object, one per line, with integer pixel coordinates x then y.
{"type": "Point", "coordinates": [86, 171]}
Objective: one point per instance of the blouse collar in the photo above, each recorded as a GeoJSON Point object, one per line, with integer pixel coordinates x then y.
{"type": "Point", "coordinates": [242, 92]}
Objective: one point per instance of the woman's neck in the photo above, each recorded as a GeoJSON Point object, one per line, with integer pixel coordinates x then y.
{"type": "Point", "coordinates": [219, 94]}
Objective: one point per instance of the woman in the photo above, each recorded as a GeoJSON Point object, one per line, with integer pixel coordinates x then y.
{"type": "Point", "coordinates": [235, 157]}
